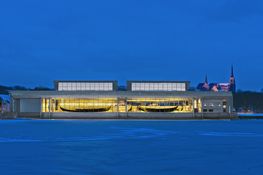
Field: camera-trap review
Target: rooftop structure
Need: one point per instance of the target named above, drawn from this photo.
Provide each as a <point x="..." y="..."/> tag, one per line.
<point x="86" y="85"/>
<point x="168" y="86"/>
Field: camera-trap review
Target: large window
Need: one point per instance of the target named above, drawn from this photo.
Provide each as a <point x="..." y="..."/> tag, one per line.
<point x="85" y="86"/>
<point x="158" y="86"/>
<point x="117" y="105"/>
<point x="79" y="105"/>
<point x="159" y="105"/>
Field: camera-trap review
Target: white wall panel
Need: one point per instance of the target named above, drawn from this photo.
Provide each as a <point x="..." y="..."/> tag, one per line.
<point x="30" y="105"/>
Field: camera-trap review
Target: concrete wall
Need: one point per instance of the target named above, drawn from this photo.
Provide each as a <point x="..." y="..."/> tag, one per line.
<point x="103" y="115"/>
<point x="30" y="105"/>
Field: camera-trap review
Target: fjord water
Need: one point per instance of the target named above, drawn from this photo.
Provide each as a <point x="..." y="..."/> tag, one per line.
<point x="128" y="147"/>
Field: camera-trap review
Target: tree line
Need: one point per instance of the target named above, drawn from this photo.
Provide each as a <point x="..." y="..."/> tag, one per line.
<point x="248" y="101"/>
<point x="5" y="89"/>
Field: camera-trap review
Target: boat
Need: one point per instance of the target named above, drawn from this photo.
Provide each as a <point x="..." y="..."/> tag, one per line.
<point x="130" y="108"/>
<point x="88" y="109"/>
<point x="157" y="108"/>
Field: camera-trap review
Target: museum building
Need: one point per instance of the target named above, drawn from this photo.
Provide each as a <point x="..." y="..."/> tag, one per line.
<point x="103" y="100"/>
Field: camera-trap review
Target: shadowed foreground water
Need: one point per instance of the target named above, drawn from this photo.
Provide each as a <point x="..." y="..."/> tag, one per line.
<point x="61" y="147"/>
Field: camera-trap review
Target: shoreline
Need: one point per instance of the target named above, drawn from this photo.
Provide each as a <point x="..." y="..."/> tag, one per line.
<point x="12" y="116"/>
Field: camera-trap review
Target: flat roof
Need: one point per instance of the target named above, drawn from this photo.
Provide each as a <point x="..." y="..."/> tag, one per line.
<point x="87" y="81"/>
<point x="121" y="94"/>
<point x="156" y="81"/>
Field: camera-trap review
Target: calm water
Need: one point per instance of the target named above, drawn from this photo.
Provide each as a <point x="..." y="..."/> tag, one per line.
<point x="109" y="147"/>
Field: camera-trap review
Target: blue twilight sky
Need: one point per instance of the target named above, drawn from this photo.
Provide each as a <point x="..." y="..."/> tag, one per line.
<point x="43" y="40"/>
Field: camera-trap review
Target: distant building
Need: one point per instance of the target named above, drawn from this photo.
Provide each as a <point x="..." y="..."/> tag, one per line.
<point x="204" y="86"/>
<point x="224" y="87"/>
<point x="215" y="87"/>
<point x="219" y="87"/>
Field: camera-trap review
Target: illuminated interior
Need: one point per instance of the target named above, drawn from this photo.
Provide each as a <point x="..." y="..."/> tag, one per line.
<point x="160" y="105"/>
<point x="170" y="105"/>
<point x="79" y="105"/>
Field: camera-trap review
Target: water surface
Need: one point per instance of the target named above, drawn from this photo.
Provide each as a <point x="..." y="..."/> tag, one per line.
<point x="41" y="147"/>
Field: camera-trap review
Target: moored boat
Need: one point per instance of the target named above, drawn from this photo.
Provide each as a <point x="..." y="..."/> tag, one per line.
<point x="157" y="108"/>
<point x="89" y="109"/>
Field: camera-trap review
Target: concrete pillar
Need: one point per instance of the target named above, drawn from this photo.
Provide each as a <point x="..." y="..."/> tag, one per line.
<point x="41" y="107"/>
<point x="49" y="107"/>
<point x="126" y="107"/>
<point x="118" y="107"/>
<point x="193" y="107"/>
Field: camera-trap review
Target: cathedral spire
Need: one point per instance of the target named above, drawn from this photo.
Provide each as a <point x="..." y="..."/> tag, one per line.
<point x="232" y="82"/>
<point x="205" y="86"/>
<point x="232" y="71"/>
<point x="206" y="79"/>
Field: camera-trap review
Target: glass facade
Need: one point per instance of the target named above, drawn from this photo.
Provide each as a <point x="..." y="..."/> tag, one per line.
<point x="160" y="105"/>
<point x="170" y="105"/>
<point x="84" y="86"/>
<point x="79" y="105"/>
<point x="152" y="86"/>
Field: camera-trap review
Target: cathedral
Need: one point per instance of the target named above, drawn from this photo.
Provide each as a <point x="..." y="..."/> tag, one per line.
<point x="216" y="87"/>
